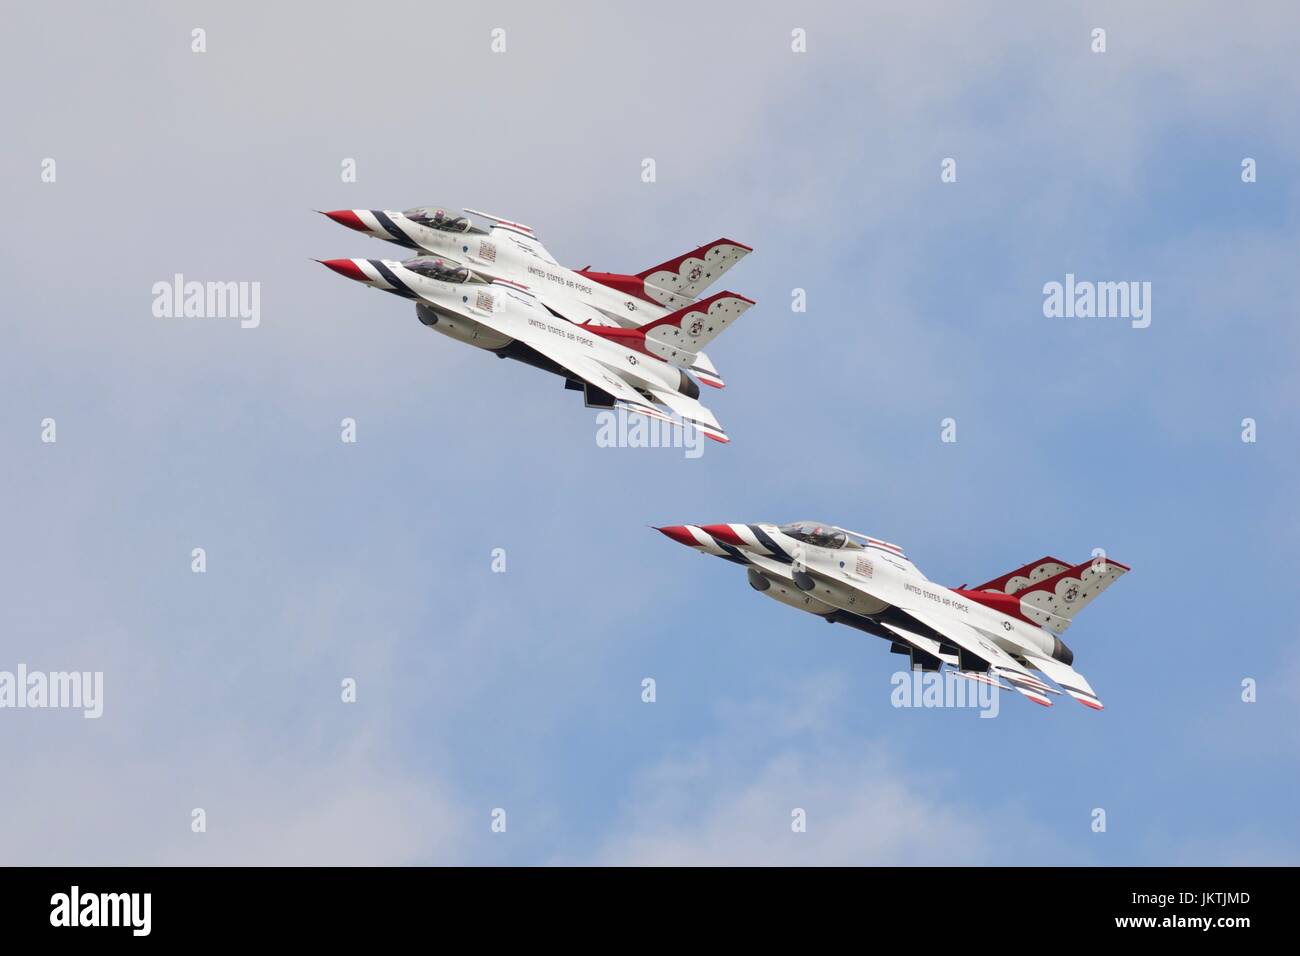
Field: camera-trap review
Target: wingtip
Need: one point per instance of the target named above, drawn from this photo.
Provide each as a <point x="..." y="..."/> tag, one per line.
<point x="728" y="294"/>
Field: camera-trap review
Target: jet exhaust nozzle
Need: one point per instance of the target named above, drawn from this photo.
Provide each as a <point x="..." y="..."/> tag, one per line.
<point x="1061" y="652"/>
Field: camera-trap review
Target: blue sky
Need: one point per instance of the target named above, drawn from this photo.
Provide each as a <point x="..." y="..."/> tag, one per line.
<point x="522" y="690"/>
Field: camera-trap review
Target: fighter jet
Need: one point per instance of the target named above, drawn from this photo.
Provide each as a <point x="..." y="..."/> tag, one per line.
<point x="642" y="370"/>
<point x="509" y="250"/>
<point x="998" y="631"/>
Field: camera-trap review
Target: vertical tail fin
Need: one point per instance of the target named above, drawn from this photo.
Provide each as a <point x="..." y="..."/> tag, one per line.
<point x="1015" y="581"/>
<point x="678" y="338"/>
<point x="681" y="279"/>
<point x="1052" y="603"/>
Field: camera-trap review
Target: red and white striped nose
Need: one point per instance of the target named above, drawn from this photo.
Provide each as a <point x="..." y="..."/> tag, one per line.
<point x="347" y="267"/>
<point x="727" y="534"/>
<point x="380" y="274"/>
<point x="679" y="533"/>
<point x="716" y="539"/>
<point x="350" y="218"/>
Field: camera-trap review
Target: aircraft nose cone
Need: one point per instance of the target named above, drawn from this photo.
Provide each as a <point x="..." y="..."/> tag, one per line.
<point x="680" y="534"/>
<point x="345" y="267"/>
<point x="346" y="217"/>
<point x="724" y="532"/>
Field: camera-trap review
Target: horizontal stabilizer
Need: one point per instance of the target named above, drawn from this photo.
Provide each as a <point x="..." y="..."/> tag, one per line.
<point x="688" y="408"/>
<point x="1068" y="679"/>
<point x="706" y="372"/>
<point x="641" y="408"/>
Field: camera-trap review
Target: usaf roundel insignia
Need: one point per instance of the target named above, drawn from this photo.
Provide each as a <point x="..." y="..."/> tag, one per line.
<point x="1006" y="625"/>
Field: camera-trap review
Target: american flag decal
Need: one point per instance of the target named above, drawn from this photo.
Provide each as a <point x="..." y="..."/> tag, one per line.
<point x="485" y="302"/>
<point x="864" y="567"/>
<point x="487" y="251"/>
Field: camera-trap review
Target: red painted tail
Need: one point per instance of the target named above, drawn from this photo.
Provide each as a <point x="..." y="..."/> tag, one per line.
<point x="1052" y="598"/>
<point x="689" y="274"/>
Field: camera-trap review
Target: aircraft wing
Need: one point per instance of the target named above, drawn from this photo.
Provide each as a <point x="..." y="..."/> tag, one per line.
<point x="932" y="647"/>
<point x="589" y="370"/>
<point x="927" y="644"/>
<point x="592" y="371"/>
<point x="975" y="642"/>
<point x="576" y="312"/>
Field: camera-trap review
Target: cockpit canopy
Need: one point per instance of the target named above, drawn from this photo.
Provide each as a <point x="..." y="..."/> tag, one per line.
<point x="432" y="267"/>
<point x="444" y="220"/>
<point x="818" y="535"/>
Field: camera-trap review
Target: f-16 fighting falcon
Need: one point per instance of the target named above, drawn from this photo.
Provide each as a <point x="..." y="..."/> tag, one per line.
<point x="639" y="369"/>
<point x="510" y="251"/>
<point x="1000" y="630"/>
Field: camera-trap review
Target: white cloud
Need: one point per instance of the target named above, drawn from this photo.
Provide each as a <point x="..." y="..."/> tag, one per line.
<point x="861" y="810"/>
<point x="346" y="805"/>
<point x="730" y="800"/>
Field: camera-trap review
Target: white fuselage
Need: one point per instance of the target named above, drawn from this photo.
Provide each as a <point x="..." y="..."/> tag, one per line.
<point x="877" y="573"/>
<point x="493" y="316"/>
<point x="507" y="254"/>
<point x="866" y="579"/>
